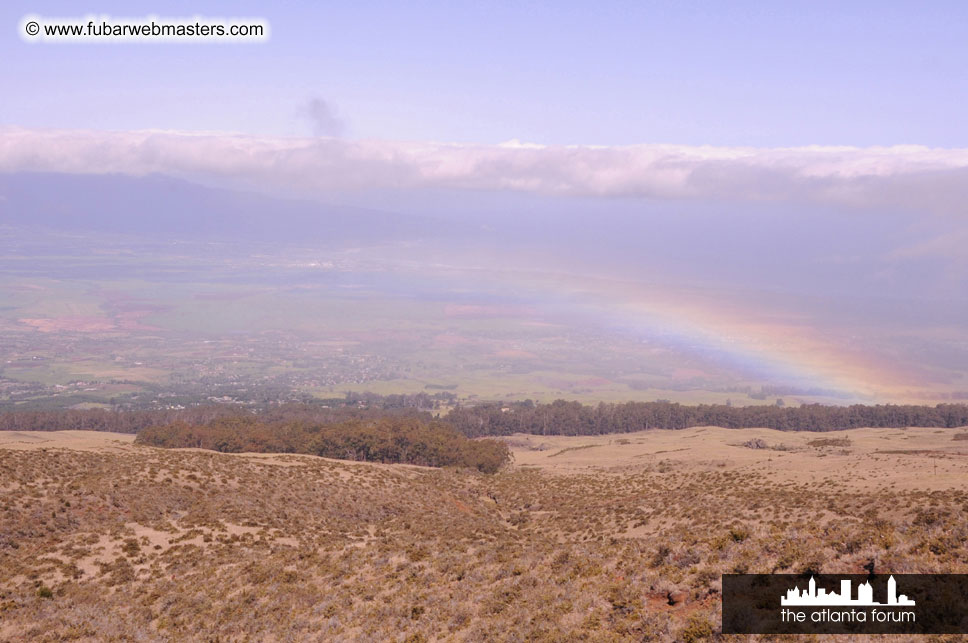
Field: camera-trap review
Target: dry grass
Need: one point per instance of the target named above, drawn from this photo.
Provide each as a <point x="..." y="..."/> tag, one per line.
<point x="104" y="540"/>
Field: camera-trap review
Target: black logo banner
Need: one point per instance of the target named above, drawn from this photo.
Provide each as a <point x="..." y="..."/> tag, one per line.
<point x="845" y="604"/>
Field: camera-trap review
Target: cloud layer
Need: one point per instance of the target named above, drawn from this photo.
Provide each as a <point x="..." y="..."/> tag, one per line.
<point x="909" y="177"/>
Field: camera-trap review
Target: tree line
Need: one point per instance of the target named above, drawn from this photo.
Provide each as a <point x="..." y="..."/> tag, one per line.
<point x="402" y="438"/>
<point x="494" y="418"/>
<point x="572" y="418"/>
<point x="133" y="421"/>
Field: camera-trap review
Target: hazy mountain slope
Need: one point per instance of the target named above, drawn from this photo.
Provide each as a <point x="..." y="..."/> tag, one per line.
<point x="163" y="207"/>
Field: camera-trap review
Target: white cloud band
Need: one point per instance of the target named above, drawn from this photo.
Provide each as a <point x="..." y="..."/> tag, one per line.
<point x="911" y="177"/>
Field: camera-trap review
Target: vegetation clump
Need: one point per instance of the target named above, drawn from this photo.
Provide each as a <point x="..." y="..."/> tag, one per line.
<point x="390" y="439"/>
<point x="829" y="442"/>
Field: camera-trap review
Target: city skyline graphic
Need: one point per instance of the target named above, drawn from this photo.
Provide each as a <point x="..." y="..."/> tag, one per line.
<point x="814" y="596"/>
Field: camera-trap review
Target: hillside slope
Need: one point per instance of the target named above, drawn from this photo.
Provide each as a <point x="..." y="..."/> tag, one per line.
<point x="103" y="539"/>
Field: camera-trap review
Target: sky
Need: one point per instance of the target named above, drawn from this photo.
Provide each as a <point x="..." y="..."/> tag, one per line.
<point x="758" y="74"/>
<point x="813" y="152"/>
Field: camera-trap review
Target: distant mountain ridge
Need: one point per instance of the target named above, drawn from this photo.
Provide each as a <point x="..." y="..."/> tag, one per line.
<point x="163" y="207"/>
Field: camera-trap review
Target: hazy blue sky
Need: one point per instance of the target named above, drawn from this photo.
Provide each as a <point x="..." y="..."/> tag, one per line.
<point x="732" y="73"/>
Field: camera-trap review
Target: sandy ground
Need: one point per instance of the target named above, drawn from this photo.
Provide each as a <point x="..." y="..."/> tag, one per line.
<point x="900" y="459"/>
<point x="74" y="440"/>
<point x="913" y="458"/>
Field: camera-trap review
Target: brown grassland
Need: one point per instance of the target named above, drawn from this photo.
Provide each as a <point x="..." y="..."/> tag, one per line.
<point x="604" y="538"/>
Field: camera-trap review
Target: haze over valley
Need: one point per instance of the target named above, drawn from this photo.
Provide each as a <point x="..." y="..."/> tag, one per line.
<point x="602" y="300"/>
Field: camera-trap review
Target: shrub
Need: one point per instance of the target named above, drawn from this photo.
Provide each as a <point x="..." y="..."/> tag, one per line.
<point x="698" y="628"/>
<point x="391" y="439"/>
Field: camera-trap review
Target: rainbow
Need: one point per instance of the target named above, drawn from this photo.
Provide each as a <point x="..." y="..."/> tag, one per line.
<point x="766" y="345"/>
